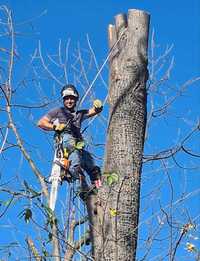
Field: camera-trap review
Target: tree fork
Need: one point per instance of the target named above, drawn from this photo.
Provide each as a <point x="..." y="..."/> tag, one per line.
<point x="115" y="229"/>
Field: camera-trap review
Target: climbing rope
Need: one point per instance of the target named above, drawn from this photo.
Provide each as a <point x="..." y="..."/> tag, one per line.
<point x="102" y="66"/>
<point x="95" y="78"/>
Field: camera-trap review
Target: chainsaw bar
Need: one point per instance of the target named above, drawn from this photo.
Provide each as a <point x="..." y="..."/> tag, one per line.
<point x="55" y="179"/>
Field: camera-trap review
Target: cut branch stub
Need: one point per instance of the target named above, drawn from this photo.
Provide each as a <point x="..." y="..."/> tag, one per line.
<point x="138" y="26"/>
<point x="112" y="36"/>
<point x="120" y="23"/>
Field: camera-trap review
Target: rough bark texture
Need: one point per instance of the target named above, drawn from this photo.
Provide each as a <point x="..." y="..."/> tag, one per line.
<point x="115" y="236"/>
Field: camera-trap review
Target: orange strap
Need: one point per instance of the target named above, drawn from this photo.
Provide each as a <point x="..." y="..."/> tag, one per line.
<point x="65" y="163"/>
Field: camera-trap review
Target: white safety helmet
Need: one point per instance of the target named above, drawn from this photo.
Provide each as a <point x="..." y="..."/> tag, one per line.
<point x="69" y="90"/>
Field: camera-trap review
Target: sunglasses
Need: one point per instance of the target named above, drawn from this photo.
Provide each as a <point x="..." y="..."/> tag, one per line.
<point x="70" y="97"/>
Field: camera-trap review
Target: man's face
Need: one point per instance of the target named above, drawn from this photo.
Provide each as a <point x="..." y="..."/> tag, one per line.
<point x="69" y="102"/>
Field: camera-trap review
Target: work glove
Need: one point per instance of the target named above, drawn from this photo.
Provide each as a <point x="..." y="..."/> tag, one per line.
<point x="59" y="127"/>
<point x="98" y="106"/>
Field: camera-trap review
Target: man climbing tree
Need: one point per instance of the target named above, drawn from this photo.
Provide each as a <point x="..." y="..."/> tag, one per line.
<point x="66" y="122"/>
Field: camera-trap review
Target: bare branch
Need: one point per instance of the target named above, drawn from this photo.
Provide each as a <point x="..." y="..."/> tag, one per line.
<point x="33" y="249"/>
<point x="50" y="73"/>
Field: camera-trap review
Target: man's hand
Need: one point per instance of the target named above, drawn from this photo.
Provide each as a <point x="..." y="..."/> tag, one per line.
<point x="98" y="106"/>
<point x="59" y="127"/>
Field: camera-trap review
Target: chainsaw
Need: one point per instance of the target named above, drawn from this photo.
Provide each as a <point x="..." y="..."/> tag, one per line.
<point x="59" y="170"/>
<point x="55" y="177"/>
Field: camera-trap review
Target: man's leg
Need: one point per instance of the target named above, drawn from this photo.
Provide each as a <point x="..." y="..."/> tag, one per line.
<point x="75" y="165"/>
<point x="94" y="172"/>
<point x="72" y="155"/>
<point x="78" y="175"/>
<point x="75" y="169"/>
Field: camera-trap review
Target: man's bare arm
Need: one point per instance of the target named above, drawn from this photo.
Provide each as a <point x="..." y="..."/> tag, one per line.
<point x="45" y="124"/>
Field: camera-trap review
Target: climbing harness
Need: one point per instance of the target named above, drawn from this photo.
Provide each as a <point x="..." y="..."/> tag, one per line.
<point x="60" y="170"/>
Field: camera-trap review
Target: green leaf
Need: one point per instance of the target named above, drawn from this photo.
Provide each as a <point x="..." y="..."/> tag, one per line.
<point x="26" y="214"/>
<point x="113" y="212"/>
<point x="80" y="145"/>
<point x="115" y="177"/>
<point x="7" y="202"/>
<point x="111" y="178"/>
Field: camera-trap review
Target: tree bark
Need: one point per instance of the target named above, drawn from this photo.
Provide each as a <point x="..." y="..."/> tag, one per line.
<point x="115" y="229"/>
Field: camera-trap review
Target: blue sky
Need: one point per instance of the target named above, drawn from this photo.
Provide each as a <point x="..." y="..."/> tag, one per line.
<point x="174" y="22"/>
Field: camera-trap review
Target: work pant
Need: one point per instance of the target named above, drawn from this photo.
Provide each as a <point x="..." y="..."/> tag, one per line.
<point x="79" y="158"/>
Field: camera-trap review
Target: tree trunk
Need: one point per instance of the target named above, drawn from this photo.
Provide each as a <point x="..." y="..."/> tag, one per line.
<point x="115" y="228"/>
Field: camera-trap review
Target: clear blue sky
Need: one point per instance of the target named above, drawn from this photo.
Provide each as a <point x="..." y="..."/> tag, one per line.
<point x="175" y="22"/>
